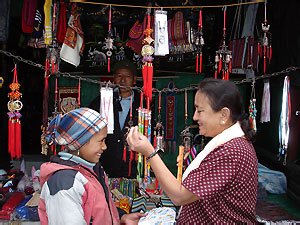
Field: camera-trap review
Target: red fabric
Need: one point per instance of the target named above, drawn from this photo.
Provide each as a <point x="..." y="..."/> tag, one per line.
<point x="13" y="201"/>
<point x="62" y="24"/>
<point x="28" y="15"/>
<point x="226" y="183"/>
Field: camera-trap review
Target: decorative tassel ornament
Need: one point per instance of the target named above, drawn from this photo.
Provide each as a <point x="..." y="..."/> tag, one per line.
<point x="14" y="123"/>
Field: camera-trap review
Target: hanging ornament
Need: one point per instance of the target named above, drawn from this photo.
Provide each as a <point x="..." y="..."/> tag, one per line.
<point x="223" y="56"/>
<point x="285" y="117"/>
<point x="14" y="123"/>
<point x="1" y="81"/>
<point x="252" y="107"/>
<point x="159" y="143"/>
<point x="141" y="130"/>
<point x="265" y="105"/>
<point x="186" y="142"/>
<point x="265" y="38"/>
<point x="126" y="146"/>
<point x="199" y="42"/>
<point x="109" y="42"/>
<point x="147" y="52"/>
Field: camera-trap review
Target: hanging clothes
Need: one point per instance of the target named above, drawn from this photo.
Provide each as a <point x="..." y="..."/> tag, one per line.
<point x="28" y="15"/>
<point x="73" y="45"/>
<point x="4" y="19"/>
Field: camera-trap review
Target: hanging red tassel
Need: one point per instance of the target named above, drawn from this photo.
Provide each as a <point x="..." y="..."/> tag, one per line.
<point x="197" y="63"/>
<point x="150" y="77"/>
<point x="14" y="125"/>
<point x="264" y="59"/>
<point x="11" y="137"/>
<point x="108" y="64"/>
<point x="200" y="63"/>
<point x="124" y="153"/>
<point x="270" y="54"/>
<point x="18" y="137"/>
<point x="216" y="75"/>
<point x="220" y="65"/>
<point x="130" y="160"/>
<point x="145" y="75"/>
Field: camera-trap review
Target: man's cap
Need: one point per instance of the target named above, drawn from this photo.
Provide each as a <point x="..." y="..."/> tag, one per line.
<point x="125" y="64"/>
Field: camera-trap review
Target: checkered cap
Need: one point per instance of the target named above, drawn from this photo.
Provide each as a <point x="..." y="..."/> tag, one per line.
<point x="74" y="128"/>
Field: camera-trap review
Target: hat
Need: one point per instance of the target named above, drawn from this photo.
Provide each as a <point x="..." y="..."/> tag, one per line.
<point x="125" y="64"/>
<point x="74" y="128"/>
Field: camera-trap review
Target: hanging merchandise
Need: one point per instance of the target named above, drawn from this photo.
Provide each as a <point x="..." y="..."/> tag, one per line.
<point x="265" y="39"/>
<point x="147" y="52"/>
<point x="147" y="133"/>
<point x="48" y="27"/>
<point x="161" y="33"/>
<point x="178" y="39"/>
<point x="28" y="14"/>
<point x="126" y="146"/>
<point x="171" y="118"/>
<point x="223" y="56"/>
<point x="285" y="117"/>
<point x="136" y="34"/>
<point x="46" y="93"/>
<point x="141" y="130"/>
<point x="199" y="42"/>
<point x="159" y="143"/>
<point x="265" y="106"/>
<point x="109" y="42"/>
<point x="252" y="107"/>
<point x="186" y="142"/>
<point x="1" y="81"/>
<point x="106" y="107"/>
<point x="73" y="44"/>
<point x="61" y="27"/>
<point x="14" y="123"/>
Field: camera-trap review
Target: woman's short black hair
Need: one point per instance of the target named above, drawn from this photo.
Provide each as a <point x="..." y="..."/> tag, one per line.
<point x="223" y="93"/>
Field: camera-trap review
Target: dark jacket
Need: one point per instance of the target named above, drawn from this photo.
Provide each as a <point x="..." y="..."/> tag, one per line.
<point x="112" y="158"/>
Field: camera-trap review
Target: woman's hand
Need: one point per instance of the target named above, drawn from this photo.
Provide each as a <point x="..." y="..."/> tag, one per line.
<point x="138" y="142"/>
<point x="132" y="218"/>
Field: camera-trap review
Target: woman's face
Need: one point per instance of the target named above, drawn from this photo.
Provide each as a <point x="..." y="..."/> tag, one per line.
<point x="92" y="150"/>
<point x="209" y="121"/>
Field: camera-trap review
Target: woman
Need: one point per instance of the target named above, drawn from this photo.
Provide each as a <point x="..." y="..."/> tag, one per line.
<point x="74" y="186"/>
<point x="220" y="185"/>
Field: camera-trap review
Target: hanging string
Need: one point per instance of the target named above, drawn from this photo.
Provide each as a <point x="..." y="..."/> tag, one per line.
<point x="224" y="28"/>
<point x="168" y="7"/>
<point x="79" y="86"/>
<point x="155" y="90"/>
